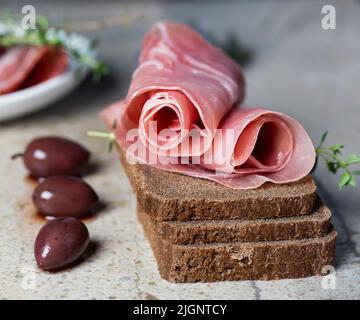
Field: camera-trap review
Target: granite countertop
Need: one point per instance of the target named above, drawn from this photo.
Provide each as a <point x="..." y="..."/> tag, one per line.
<point x="297" y="67"/>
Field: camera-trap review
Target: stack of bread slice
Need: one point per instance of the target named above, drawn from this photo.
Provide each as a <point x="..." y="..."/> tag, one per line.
<point x="202" y="231"/>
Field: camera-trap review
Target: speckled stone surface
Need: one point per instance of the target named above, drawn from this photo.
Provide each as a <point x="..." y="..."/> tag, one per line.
<point x="297" y="68"/>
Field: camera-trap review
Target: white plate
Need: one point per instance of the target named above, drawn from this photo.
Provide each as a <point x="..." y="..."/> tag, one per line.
<point x="28" y="100"/>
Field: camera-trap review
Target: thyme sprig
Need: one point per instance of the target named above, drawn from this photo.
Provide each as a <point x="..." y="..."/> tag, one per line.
<point x="335" y="163"/>
<point x="80" y="49"/>
<point x="110" y="136"/>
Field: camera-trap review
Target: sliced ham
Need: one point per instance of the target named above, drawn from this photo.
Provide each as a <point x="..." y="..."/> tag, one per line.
<point x="185" y="85"/>
<point x="19" y="63"/>
<point x="263" y="146"/>
<point x="15" y="64"/>
<point x="182" y="84"/>
<point x="53" y="63"/>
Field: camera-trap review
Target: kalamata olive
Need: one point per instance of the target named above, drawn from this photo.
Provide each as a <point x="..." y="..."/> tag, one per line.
<point x="64" y="196"/>
<point x="50" y="156"/>
<point x="60" y="242"/>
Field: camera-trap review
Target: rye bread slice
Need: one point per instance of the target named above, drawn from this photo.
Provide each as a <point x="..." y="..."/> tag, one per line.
<point x="168" y="196"/>
<point x="316" y="224"/>
<point x="267" y="260"/>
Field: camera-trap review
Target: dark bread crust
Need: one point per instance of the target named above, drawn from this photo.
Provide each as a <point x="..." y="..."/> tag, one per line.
<point x="316" y="224"/>
<point x="168" y="196"/>
<point x="269" y="260"/>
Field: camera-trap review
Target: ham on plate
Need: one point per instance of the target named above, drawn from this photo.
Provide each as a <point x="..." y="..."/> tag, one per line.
<point x="182" y="84"/>
<point x="25" y="66"/>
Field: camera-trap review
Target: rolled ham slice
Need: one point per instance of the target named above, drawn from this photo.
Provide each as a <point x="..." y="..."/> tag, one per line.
<point x="183" y="84"/>
<point x="261" y="146"/>
<point x="24" y="66"/>
<point x="251" y="147"/>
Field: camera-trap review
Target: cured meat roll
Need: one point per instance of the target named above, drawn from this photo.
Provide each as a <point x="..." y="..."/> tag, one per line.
<point x="253" y="146"/>
<point x="24" y="66"/>
<point x="183" y="86"/>
<point x="192" y="92"/>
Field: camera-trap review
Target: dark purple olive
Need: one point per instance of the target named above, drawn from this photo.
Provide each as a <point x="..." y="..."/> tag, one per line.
<point x="53" y="156"/>
<point x="64" y="196"/>
<point x="60" y="242"/>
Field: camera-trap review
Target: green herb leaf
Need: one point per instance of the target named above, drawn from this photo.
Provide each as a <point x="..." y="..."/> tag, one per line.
<point x="42" y="22"/>
<point x="344" y="180"/>
<point x="336" y="148"/>
<point x="334" y="164"/>
<point x="323" y="138"/>
<point x="353" y="158"/>
<point x="352" y="182"/>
